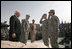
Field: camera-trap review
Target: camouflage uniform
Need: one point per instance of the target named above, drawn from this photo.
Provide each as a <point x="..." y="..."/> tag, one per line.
<point x="52" y="27"/>
<point x="44" y="31"/>
<point x="4" y="31"/>
<point x="25" y="31"/>
<point x="3" y="34"/>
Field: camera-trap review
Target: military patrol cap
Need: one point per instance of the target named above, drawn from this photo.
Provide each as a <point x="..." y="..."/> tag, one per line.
<point x="52" y="11"/>
<point x="28" y="15"/>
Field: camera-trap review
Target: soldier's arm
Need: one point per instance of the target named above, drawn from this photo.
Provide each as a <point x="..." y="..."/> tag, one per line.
<point x="41" y="21"/>
<point x="23" y="25"/>
<point x="57" y="23"/>
<point x="26" y="28"/>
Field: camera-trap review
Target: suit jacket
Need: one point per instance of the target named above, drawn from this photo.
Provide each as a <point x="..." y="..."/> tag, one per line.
<point x="15" y="26"/>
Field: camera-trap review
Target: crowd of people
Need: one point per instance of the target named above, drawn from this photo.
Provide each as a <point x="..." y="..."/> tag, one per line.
<point x="65" y="32"/>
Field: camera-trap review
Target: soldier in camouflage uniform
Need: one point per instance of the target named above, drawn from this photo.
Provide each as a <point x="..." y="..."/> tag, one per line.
<point x="25" y="30"/>
<point x="50" y="29"/>
<point x="43" y="21"/>
<point x="4" y="31"/>
<point x="53" y="26"/>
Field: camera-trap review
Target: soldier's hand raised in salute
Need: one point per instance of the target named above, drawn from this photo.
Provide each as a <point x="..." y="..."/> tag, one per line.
<point x="42" y="17"/>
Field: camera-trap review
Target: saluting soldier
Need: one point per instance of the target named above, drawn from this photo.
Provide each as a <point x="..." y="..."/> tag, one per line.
<point x="43" y="21"/>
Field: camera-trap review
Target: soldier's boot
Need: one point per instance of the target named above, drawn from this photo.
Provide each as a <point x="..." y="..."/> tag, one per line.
<point x="48" y="46"/>
<point x="25" y="43"/>
<point x="54" y="43"/>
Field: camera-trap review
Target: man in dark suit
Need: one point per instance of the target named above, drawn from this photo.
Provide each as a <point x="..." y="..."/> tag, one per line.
<point x="15" y="27"/>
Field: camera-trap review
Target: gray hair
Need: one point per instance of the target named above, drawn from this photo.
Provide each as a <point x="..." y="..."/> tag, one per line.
<point x="16" y="12"/>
